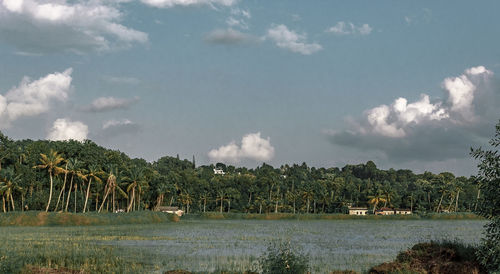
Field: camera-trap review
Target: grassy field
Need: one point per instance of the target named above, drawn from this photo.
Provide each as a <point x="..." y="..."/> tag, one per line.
<point x="207" y="245"/>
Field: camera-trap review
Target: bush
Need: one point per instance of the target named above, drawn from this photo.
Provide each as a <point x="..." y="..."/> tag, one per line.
<point x="280" y="259"/>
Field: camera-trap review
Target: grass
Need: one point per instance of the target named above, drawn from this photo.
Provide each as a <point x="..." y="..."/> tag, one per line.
<point x="291" y="216"/>
<point x="220" y="246"/>
<point x="38" y="218"/>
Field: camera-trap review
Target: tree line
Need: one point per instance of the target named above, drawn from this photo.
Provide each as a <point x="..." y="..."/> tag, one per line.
<point x="72" y="176"/>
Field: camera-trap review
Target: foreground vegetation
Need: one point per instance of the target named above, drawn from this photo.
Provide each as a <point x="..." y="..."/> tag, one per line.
<point x="208" y="246"/>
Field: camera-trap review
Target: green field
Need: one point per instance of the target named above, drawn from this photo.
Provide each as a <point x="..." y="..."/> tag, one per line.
<point x="210" y="245"/>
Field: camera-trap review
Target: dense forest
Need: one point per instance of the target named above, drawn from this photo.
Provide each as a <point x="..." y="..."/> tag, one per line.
<point x="82" y="176"/>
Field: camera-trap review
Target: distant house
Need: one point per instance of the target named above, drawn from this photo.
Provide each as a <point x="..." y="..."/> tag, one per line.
<point x="358" y="211"/>
<point x="402" y="211"/>
<point x="170" y="209"/>
<point x="385" y="211"/>
<point x="219" y="171"/>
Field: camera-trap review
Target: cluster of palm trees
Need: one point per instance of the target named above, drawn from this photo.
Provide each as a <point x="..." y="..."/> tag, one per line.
<point x="75" y="177"/>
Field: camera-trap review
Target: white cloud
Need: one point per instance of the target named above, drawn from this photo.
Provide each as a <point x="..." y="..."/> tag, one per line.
<point x="228" y="37"/>
<point x="253" y="147"/>
<point x="32" y="98"/>
<point x="110" y="103"/>
<point x="40" y="26"/>
<point x="345" y="28"/>
<point x="291" y="40"/>
<point x="461" y="89"/>
<point x="116" y="123"/>
<point x="425" y="129"/>
<point x="65" y="129"/>
<point x="173" y="3"/>
<point x="393" y="120"/>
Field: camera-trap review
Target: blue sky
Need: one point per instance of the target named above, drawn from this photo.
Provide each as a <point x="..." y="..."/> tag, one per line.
<point x="246" y="82"/>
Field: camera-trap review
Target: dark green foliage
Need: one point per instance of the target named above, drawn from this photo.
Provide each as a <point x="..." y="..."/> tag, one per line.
<point x="489" y="206"/>
<point x="281" y="258"/>
<point x="170" y="181"/>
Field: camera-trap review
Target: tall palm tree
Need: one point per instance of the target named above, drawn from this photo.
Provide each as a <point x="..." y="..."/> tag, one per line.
<point x="93" y="173"/>
<point x="51" y="162"/>
<point x="375" y="200"/>
<point x="9" y="182"/>
<point x="112" y="184"/>
<point x="134" y="180"/>
<point x="63" y="188"/>
<point x="73" y="169"/>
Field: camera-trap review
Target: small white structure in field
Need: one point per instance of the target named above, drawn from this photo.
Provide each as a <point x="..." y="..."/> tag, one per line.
<point x="403" y="211"/>
<point x="358" y="211"/>
<point x="171" y="209"/>
<point x="385" y="211"/>
<point x="219" y="171"/>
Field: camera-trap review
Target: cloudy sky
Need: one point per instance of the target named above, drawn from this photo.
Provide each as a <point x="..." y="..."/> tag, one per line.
<point x="408" y="84"/>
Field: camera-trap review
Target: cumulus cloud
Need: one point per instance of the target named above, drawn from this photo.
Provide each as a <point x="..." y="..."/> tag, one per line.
<point x="102" y="104"/>
<point x="41" y="26"/>
<point x="291" y="40"/>
<point x="425" y="129"/>
<point x="228" y="37"/>
<point x="252" y="147"/>
<point x="238" y="18"/>
<point x="173" y="3"/>
<point x="345" y="28"/>
<point x="34" y="97"/>
<point x="65" y="129"/>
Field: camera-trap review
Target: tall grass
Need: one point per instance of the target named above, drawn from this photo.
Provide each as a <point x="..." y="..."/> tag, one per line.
<point x="38" y="218"/>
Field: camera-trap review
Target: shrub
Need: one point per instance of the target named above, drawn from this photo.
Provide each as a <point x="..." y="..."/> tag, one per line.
<point x="281" y="259"/>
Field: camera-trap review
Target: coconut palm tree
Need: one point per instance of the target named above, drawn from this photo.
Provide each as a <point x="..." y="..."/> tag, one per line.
<point x="112" y="185"/>
<point x="73" y="168"/>
<point x="63" y="188"/>
<point x="375" y="200"/>
<point x="9" y="182"/>
<point x="93" y="173"/>
<point x="51" y="162"/>
<point x="134" y="180"/>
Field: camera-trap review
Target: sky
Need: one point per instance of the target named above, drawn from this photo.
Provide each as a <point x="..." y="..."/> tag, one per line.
<point x="407" y="84"/>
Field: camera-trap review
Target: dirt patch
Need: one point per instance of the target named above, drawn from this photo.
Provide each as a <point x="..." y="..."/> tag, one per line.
<point x="179" y="271"/>
<point x="432" y="258"/>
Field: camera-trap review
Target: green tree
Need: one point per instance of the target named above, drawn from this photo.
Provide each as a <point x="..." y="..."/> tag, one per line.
<point x="489" y="207"/>
<point x="51" y="162"/>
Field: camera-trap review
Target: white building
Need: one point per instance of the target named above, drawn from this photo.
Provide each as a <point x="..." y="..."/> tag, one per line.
<point x="219" y="171"/>
<point x="358" y="211"/>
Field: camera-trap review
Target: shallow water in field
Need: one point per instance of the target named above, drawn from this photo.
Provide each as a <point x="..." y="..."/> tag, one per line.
<point x="207" y="245"/>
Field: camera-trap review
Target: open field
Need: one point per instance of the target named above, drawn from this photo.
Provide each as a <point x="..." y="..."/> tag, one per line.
<point x="210" y="245"/>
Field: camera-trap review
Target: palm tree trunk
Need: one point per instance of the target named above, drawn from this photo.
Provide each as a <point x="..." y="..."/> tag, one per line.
<point x="204" y="205"/>
<point x="12" y="201"/>
<point x="69" y="193"/>
<point x="62" y="189"/>
<point x="456" y="204"/>
<point x="131" y="200"/>
<point x="50" y="192"/>
<point x="3" y="203"/>
<point x="76" y="192"/>
<point x="104" y="200"/>
<point x="113" y="199"/>
<point x="87" y="196"/>
<point x="308" y="204"/>
<point x="440" y="200"/>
